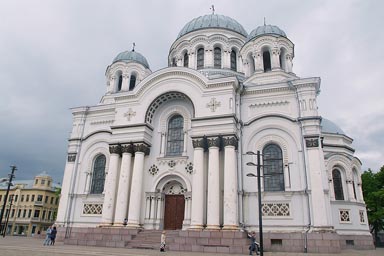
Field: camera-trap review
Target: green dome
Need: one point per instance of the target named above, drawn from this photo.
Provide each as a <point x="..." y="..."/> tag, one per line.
<point x="131" y="56"/>
<point x="266" y="30"/>
<point x="213" y="21"/>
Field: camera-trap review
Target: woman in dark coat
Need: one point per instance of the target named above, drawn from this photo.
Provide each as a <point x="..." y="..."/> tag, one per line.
<point x="53" y="235"/>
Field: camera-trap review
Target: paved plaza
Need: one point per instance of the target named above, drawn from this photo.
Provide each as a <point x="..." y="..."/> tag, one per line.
<point x="26" y="246"/>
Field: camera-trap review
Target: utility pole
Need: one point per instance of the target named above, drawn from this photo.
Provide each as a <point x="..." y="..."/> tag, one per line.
<point x="11" y="176"/>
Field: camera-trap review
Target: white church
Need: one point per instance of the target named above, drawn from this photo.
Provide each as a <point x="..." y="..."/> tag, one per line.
<point x="167" y="150"/>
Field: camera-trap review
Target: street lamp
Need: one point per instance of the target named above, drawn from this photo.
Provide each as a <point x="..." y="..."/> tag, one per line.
<point x="258" y="176"/>
<point x="11" y="176"/>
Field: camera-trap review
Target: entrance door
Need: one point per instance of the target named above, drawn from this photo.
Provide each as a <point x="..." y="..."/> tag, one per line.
<point x="174" y="212"/>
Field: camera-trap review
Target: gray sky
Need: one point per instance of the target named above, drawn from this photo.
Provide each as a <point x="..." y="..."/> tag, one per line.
<point x="53" y="56"/>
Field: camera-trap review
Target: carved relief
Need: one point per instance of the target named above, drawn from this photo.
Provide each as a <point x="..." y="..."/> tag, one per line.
<point x="198" y="143"/>
<point x="230" y="141"/>
<point x="213" y="142"/>
<point x="127" y="148"/>
<point x="142" y="148"/>
<point x="213" y="104"/>
<point x="312" y="143"/>
<point x="115" y="149"/>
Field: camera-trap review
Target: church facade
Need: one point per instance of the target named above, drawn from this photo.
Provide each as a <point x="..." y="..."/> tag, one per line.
<point x="173" y="149"/>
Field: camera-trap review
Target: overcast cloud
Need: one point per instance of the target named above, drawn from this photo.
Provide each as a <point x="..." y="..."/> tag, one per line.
<point x="53" y="56"/>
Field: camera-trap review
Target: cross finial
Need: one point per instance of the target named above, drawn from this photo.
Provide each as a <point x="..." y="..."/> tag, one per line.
<point x="264" y="21"/>
<point x="213" y="9"/>
<point x="133" y="46"/>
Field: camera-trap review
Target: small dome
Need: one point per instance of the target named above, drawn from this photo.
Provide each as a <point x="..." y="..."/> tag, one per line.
<point x="131" y="56"/>
<point x="43" y="174"/>
<point x="213" y="21"/>
<point x="328" y="126"/>
<point x="266" y="30"/>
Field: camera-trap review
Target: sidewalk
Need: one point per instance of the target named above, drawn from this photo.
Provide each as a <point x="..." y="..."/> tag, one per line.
<point x="26" y="246"/>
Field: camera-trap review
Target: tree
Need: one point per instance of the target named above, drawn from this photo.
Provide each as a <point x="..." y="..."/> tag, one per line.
<point x="373" y="190"/>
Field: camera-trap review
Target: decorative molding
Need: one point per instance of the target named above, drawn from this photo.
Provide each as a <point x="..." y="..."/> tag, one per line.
<point x="127" y="148"/>
<point x="312" y="143"/>
<point x="115" y="149"/>
<point x="199" y="143"/>
<point x="153" y="170"/>
<point x="189" y="168"/>
<point x="344" y="215"/>
<point x="269" y="104"/>
<point x="71" y="157"/>
<point x="214" y="142"/>
<point x="276" y="209"/>
<point x="230" y="141"/>
<point x="102" y="122"/>
<point x="142" y="148"/>
<point x="174" y="160"/>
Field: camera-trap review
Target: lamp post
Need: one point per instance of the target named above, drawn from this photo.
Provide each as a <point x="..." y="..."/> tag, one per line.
<point x="258" y="176"/>
<point x="11" y="176"/>
<point x="7" y="217"/>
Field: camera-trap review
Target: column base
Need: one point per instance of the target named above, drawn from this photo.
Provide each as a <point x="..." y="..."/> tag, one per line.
<point x="103" y="225"/>
<point x="134" y="225"/>
<point x="118" y="224"/>
<point x="196" y="227"/>
<point x="213" y="227"/>
<point x="231" y="227"/>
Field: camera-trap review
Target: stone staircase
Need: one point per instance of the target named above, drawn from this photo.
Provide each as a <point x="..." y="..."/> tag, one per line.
<point x="150" y="239"/>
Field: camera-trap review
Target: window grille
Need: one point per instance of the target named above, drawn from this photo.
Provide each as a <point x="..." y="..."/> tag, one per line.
<point x="273" y="173"/>
<point x="98" y="177"/>
<point x="337" y="185"/>
<point x="175" y="140"/>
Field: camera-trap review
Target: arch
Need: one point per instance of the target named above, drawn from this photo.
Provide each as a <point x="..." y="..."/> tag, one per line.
<point x="273" y="168"/>
<point x="175" y="135"/>
<point x="200" y="58"/>
<point x="168" y="176"/>
<point x="337" y="184"/>
<point x="165" y="97"/>
<point x="98" y="174"/>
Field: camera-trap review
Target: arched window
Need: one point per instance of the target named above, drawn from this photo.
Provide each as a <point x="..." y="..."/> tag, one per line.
<point x="337" y="184"/>
<point x="120" y="83"/>
<point x="186" y="60"/>
<point x="273" y="168"/>
<point x="98" y="176"/>
<point x="175" y="138"/>
<point x="267" y="61"/>
<point x="233" y="61"/>
<point x="217" y="57"/>
<point x="132" y="82"/>
<point x="200" y="58"/>
<point x="173" y="64"/>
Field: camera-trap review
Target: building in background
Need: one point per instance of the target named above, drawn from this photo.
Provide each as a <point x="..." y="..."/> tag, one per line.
<point x="166" y="149"/>
<point x="32" y="205"/>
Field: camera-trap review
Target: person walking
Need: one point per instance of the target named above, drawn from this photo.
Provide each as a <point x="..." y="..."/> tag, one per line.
<point x="253" y="246"/>
<point x="47" y="240"/>
<point x="162" y="241"/>
<point x="53" y="235"/>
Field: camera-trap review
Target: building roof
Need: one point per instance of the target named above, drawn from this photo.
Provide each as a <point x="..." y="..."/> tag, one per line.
<point x="266" y="30"/>
<point x="131" y="56"/>
<point x="327" y="126"/>
<point x="213" y="21"/>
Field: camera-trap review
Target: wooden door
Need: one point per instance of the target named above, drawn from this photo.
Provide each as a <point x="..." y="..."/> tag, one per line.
<point x="174" y="212"/>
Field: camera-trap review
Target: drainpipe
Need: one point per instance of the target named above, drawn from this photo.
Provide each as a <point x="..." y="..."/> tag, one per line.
<point x="291" y="86"/>
<point x="240" y="157"/>
<point x="74" y="176"/>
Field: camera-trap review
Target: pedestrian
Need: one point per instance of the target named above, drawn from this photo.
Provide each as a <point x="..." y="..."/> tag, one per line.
<point x="47" y="240"/>
<point x="125" y="222"/>
<point x="253" y="246"/>
<point x="53" y="235"/>
<point x="162" y="241"/>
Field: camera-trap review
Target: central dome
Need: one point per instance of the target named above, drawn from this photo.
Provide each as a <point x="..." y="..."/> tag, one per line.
<point x="213" y="21"/>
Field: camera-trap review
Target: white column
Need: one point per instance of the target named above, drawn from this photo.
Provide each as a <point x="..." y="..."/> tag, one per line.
<point x="124" y="184"/>
<point x="331" y="189"/>
<point x="226" y="62"/>
<point x="87" y="182"/>
<point x="125" y="84"/>
<point x="111" y="84"/>
<point x="137" y="186"/>
<point x="208" y="57"/>
<point x="111" y="186"/>
<point x="147" y="205"/>
<point x="198" y="190"/>
<point x="288" y="63"/>
<point x="230" y="184"/>
<point x="287" y="178"/>
<point x="192" y="60"/>
<point x="185" y="143"/>
<point x="351" y="195"/>
<point x="259" y="63"/>
<point x="213" y="199"/>
<point x="64" y="199"/>
<point x="275" y="60"/>
<point x="153" y="208"/>
<point x="159" y="206"/>
<point x="162" y="149"/>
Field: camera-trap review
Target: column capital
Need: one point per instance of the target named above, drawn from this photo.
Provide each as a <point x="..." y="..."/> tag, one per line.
<point x="213" y="142"/>
<point x="230" y="141"/>
<point x="127" y="148"/>
<point x="198" y="143"/>
<point x="115" y="149"/>
<point x="71" y="157"/>
<point x="141" y="147"/>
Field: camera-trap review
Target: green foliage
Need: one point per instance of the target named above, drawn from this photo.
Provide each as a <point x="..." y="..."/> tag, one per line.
<point x="373" y="190"/>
